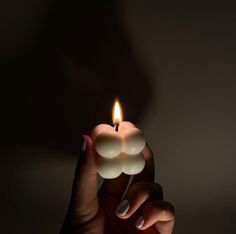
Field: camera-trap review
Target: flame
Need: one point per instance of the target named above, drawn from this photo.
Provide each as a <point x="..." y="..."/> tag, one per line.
<point x="117" y="114"/>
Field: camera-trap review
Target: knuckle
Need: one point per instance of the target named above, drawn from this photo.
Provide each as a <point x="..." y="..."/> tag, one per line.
<point x="165" y="205"/>
<point x="170" y="206"/>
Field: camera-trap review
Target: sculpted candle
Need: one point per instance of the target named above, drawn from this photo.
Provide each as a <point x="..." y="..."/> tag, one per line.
<point x="119" y="147"/>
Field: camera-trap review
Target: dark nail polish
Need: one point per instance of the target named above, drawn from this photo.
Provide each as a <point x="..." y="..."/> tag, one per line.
<point x="139" y="223"/>
<point x="123" y="208"/>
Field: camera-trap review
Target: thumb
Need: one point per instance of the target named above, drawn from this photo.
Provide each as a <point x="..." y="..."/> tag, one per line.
<point x="84" y="201"/>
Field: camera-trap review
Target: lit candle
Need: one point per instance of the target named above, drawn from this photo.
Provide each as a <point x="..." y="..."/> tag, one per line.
<point x="119" y="148"/>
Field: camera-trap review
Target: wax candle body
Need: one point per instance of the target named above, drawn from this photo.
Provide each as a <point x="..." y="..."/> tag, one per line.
<point x="108" y="142"/>
<point x="119" y="151"/>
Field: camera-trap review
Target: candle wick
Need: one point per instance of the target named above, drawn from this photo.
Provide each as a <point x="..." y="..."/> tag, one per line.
<point x="116" y="127"/>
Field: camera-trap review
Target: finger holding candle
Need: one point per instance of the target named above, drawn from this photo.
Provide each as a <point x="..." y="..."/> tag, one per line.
<point x="84" y="194"/>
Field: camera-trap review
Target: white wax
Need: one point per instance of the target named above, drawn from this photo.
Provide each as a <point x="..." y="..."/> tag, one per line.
<point x="119" y="151"/>
<point x="133" y="141"/>
<point x="132" y="164"/>
<point x="109" y="168"/>
<point x="124" y="125"/>
<point x="101" y="128"/>
<point x="108" y="142"/>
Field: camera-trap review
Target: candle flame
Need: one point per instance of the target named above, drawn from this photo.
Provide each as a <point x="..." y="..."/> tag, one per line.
<point x="117" y="114"/>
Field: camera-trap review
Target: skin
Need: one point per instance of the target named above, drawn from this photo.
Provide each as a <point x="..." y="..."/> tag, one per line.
<point x="94" y="212"/>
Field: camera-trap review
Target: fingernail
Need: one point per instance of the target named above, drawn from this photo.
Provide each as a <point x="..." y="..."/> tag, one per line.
<point x="82" y="145"/>
<point x="139" y="223"/>
<point x="123" y="208"/>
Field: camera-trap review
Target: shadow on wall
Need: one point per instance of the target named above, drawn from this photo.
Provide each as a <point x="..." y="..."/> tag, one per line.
<point x="65" y="84"/>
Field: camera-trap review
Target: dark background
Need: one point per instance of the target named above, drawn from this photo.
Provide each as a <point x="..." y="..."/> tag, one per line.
<point x="171" y="63"/>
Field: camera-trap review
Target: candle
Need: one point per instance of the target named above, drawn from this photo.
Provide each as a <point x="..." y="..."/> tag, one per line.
<point x="119" y="148"/>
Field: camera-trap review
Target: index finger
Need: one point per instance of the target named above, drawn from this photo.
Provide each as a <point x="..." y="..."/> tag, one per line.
<point x="148" y="173"/>
<point x="84" y="194"/>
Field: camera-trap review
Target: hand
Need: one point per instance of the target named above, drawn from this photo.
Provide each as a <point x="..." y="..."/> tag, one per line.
<point x="141" y="210"/>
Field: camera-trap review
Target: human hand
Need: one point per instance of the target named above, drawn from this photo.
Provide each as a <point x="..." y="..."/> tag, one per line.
<point x="141" y="210"/>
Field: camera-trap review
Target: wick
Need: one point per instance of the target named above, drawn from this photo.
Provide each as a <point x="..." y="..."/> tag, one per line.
<point x="116" y="127"/>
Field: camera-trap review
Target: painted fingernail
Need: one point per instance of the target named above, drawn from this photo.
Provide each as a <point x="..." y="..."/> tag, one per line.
<point x="139" y="223"/>
<point x="123" y="208"/>
<point x="82" y="145"/>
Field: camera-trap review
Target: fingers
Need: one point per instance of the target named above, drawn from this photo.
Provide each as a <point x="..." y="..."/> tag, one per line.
<point x="144" y="200"/>
<point x="136" y="196"/>
<point x="84" y="194"/>
<point x="148" y="172"/>
<point x="159" y="214"/>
